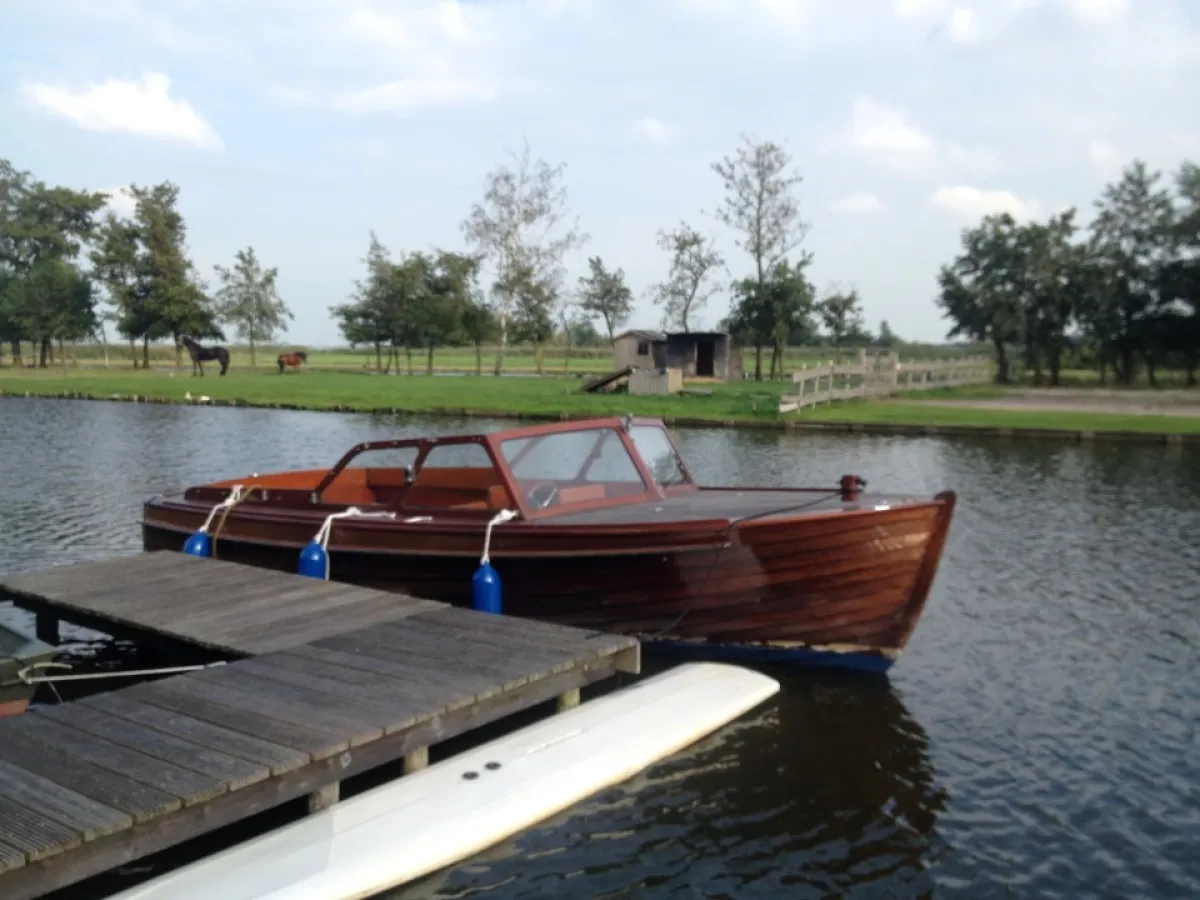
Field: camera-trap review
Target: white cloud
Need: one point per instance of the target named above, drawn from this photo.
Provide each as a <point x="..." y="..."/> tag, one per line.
<point x="410" y="95"/>
<point x="886" y="136"/>
<point x="963" y="27"/>
<point x="652" y="130"/>
<point x="1104" y="156"/>
<point x="879" y="129"/>
<point x="1099" y="12"/>
<point x="143" y="108"/>
<point x="120" y="201"/>
<point x="972" y="203"/>
<point x="859" y="201"/>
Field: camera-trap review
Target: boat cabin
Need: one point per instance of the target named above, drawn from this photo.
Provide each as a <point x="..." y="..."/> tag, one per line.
<point x="540" y="471"/>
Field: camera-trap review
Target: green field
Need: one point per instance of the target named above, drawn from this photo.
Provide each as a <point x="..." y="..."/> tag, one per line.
<point x="746" y="402"/>
<point x="519" y="358"/>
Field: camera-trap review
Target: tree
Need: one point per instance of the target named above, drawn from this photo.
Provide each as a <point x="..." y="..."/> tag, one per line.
<point x="1180" y="279"/>
<point x="519" y="226"/>
<point x="887" y="338"/>
<point x="447" y="298"/>
<point x="1057" y="285"/>
<point x="981" y="291"/>
<point x="765" y="315"/>
<point x="43" y="294"/>
<point x="605" y="294"/>
<point x="1130" y="248"/>
<point x="693" y="260"/>
<point x="479" y="325"/>
<point x="249" y="300"/>
<point x="173" y="299"/>
<point x="760" y="203"/>
<point x="364" y="319"/>
<point x="841" y="315"/>
<point x="533" y="311"/>
<point x="569" y="319"/>
<point x="114" y="260"/>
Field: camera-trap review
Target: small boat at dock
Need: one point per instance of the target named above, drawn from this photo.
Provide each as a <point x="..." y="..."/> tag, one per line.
<point x="19" y="653"/>
<point x="608" y="530"/>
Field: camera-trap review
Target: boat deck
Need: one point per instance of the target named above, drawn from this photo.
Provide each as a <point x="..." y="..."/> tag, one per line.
<point x="348" y="679"/>
<point x="725" y="504"/>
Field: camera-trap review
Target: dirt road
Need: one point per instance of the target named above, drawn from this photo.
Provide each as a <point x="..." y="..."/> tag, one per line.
<point x="1134" y="403"/>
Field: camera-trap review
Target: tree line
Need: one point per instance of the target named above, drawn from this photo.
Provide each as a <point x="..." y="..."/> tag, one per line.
<point x="68" y="268"/>
<point x="1122" y="295"/>
<point x="521" y="230"/>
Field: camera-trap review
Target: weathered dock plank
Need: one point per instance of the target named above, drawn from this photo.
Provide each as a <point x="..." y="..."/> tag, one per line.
<point x="214" y="604"/>
<point x="332" y="680"/>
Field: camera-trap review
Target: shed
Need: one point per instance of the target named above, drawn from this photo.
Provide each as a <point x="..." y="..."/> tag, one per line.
<point x="705" y="354"/>
<point x="640" y="349"/>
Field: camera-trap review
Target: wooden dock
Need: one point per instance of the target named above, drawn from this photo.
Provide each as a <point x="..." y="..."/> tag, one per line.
<point x="332" y="680"/>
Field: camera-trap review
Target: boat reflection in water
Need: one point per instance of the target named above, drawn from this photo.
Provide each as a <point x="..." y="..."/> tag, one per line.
<point x="827" y="790"/>
<point x="611" y="533"/>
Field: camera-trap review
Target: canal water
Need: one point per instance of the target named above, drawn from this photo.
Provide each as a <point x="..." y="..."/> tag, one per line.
<point x="1038" y="739"/>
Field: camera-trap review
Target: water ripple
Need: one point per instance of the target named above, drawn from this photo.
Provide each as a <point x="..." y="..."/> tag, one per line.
<point x="1039" y="737"/>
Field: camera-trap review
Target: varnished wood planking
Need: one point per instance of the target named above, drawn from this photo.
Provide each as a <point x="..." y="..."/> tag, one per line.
<point x="802" y="558"/>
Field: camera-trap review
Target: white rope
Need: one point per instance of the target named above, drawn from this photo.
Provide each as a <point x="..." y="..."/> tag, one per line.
<point x="503" y="516"/>
<point x="235" y="494"/>
<point x="26" y="678"/>
<point x="322" y="536"/>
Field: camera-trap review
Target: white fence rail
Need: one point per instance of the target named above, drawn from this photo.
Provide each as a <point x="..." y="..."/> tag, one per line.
<point x="878" y="375"/>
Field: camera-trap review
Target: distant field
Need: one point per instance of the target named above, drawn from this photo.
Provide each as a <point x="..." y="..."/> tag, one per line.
<point x="556" y="397"/>
<point x="519" y="358"/>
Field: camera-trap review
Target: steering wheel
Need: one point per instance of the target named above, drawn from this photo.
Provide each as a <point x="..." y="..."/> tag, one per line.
<point x="529" y="494"/>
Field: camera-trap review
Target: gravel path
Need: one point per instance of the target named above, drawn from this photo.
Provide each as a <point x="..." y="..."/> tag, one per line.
<point x="1134" y="403"/>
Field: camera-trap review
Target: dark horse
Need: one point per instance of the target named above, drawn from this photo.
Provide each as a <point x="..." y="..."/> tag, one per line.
<point x="296" y="359"/>
<point x="201" y="354"/>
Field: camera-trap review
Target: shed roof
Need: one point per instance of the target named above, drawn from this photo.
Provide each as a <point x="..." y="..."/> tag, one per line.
<point x="642" y="335"/>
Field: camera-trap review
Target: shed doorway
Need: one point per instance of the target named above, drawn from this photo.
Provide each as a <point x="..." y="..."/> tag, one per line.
<point x="705" y="351"/>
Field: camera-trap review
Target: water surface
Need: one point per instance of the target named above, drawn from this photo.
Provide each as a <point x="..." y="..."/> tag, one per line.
<point x="1038" y="738"/>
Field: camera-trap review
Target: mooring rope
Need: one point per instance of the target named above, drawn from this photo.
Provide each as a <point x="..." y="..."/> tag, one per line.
<point x="26" y="678"/>
<point x="322" y="536"/>
<point x="236" y="497"/>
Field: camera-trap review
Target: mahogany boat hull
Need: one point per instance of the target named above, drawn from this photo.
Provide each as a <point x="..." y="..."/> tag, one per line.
<point x="844" y="587"/>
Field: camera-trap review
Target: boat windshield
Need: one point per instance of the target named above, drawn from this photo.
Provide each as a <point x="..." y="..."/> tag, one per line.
<point x="658" y="453"/>
<point x="567" y="467"/>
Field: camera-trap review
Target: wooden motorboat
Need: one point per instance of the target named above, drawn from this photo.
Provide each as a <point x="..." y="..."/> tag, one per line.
<point x="611" y="532"/>
<point x="19" y="652"/>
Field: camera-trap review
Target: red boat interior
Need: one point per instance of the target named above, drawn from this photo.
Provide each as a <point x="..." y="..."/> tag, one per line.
<point x="597" y="471"/>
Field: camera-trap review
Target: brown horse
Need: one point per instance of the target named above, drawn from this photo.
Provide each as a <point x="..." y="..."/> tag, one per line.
<point x="294" y="360"/>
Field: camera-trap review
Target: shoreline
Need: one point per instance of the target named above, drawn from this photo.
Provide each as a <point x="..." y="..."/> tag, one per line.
<point x="845" y="427"/>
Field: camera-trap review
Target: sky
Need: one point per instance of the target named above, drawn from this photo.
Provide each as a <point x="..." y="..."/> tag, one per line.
<point x="299" y="126"/>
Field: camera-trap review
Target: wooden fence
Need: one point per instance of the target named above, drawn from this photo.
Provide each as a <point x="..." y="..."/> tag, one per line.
<point x="878" y="375"/>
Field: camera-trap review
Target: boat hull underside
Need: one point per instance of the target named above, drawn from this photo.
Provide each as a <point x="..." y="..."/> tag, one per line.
<point x="846" y="590"/>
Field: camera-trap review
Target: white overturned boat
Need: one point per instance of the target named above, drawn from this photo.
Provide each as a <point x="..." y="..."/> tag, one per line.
<point x="418" y="824"/>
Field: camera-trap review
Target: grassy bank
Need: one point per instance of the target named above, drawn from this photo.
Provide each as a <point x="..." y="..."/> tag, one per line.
<point x="746" y="402"/>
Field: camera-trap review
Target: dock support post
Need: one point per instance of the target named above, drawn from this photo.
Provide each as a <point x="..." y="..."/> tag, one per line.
<point x="568" y="700"/>
<point x="324" y="798"/>
<point x="415" y="760"/>
<point x="47" y="628"/>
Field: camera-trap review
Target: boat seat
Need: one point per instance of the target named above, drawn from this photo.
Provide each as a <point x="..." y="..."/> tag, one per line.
<point x="386" y="484"/>
<point x="581" y="494"/>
